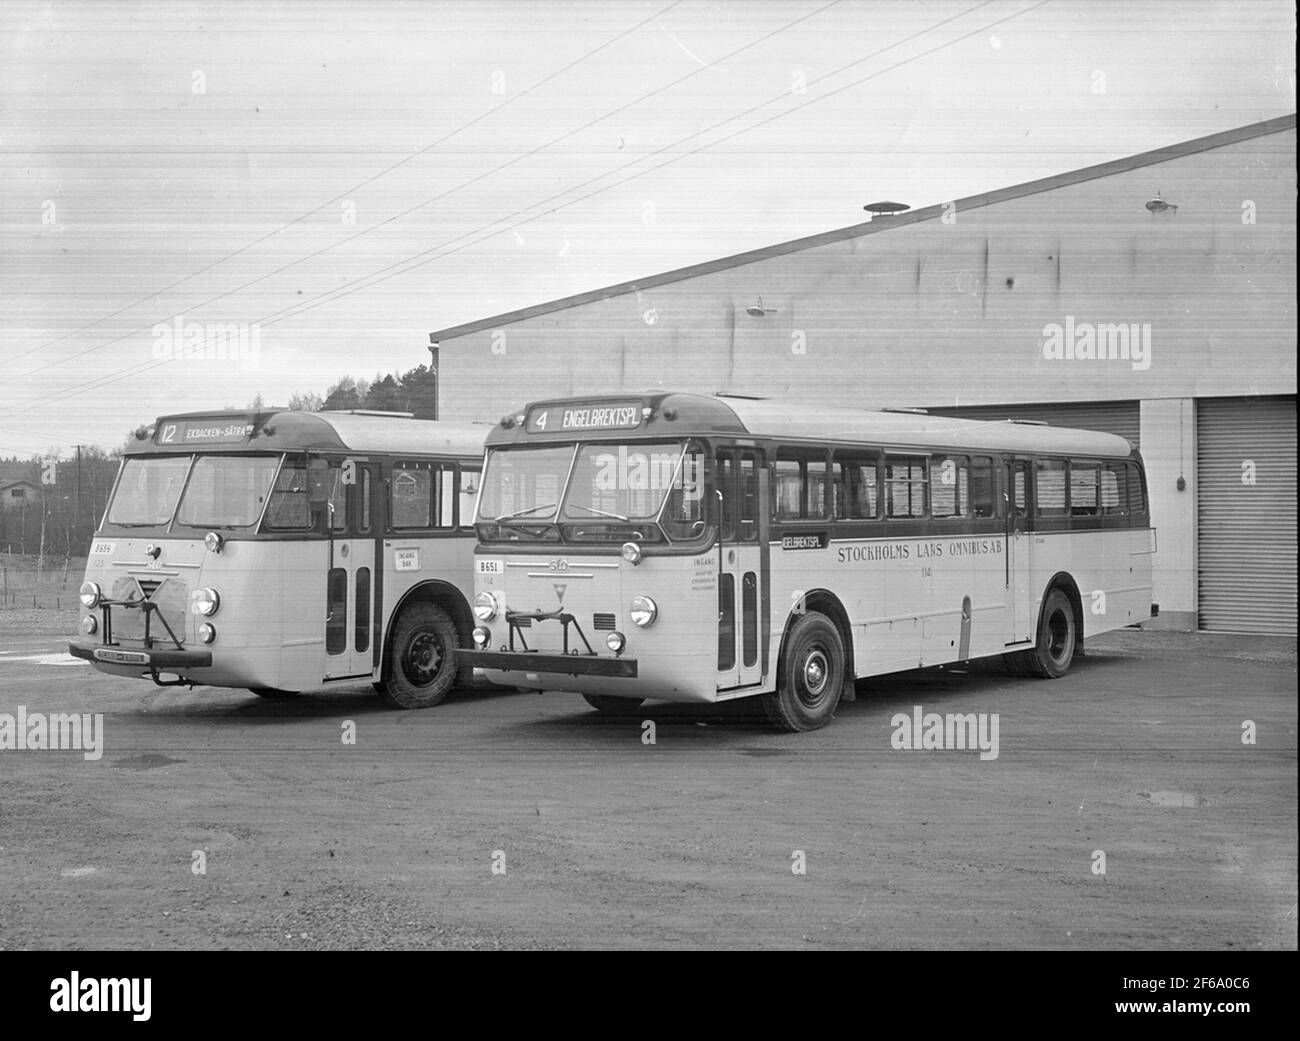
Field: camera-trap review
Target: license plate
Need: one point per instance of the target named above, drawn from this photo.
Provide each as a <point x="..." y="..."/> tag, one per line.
<point x="121" y="657"/>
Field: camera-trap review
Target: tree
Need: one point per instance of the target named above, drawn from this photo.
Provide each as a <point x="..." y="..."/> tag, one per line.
<point x="347" y="393"/>
<point x="385" y="395"/>
<point x="308" y="402"/>
<point x="420" y="390"/>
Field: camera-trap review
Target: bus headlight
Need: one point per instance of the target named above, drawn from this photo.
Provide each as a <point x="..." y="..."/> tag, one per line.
<point x="205" y="601"/>
<point x="207" y="632"/>
<point x="89" y="625"/>
<point x="485" y="607"/>
<point x="90" y="595"/>
<point x="616" y="642"/>
<point x="643" y="611"/>
<point x="481" y="636"/>
<point x="631" y="553"/>
<point x="213" y="541"/>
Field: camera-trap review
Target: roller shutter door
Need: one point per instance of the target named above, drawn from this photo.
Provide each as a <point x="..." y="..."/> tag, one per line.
<point x="1112" y="417"/>
<point x="1246" y="533"/>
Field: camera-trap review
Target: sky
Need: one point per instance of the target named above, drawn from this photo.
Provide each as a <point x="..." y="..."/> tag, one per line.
<point x="325" y="183"/>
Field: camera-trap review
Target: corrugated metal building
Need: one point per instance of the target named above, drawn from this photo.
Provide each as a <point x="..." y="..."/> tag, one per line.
<point x="1172" y="272"/>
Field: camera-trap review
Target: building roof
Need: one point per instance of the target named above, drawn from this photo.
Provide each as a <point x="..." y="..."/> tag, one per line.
<point x="881" y="224"/>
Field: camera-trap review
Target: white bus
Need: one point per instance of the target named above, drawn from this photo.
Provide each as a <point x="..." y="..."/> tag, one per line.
<point x="287" y="551"/>
<point x="694" y="548"/>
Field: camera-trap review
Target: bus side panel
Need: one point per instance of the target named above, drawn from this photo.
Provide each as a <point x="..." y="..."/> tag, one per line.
<point x="1114" y="583"/>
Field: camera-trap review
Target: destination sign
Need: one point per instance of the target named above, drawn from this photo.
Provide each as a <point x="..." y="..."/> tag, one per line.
<point x="808" y="540"/>
<point x="216" y="431"/>
<point x="555" y="419"/>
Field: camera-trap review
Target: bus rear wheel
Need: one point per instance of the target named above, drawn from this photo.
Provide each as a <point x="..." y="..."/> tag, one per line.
<point x="810" y="675"/>
<point x="1058" y="639"/>
<point x="273" y="693"/>
<point x="611" y="705"/>
<point x="421" y="658"/>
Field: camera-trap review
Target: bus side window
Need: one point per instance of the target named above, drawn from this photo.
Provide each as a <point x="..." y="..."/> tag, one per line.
<point x="854" y="489"/>
<point x="949" y="480"/>
<point x="1136" y="500"/>
<point x="1083" y="490"/>
<point x="410" y="505"/>
<point x="1049" y="488"/>
<point x="683" y="513"/>
<point x="467" y="494"/>
<point x="1019" y="498"/>
<point x="800" y="485"/>
<point x="288" y="506"/>
<point x="445" y="489"/>
<point x="1112" y="490"/>
<point x="981" y="487"/>
<point x="338" y="499"/>
<point x="905" y="486"/>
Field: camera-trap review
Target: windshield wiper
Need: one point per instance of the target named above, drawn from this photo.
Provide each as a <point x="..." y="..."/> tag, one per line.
<point x="522" y="513"/>
<point x="598" y="513"/>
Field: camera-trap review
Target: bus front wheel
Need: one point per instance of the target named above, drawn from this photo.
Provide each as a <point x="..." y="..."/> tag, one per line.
<point x="611" y="705"/>
<point x="810" y="675"/>
<point x="421" y="657"/>
<point x="1057" y="641"/>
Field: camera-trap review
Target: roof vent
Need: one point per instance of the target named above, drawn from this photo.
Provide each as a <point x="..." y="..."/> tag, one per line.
<point x="885" y="209"/>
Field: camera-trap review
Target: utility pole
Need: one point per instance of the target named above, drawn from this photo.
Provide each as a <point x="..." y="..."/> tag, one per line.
<point x="76" y="511"/>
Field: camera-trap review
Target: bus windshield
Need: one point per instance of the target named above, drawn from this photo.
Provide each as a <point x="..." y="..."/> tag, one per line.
<point x="524" y="484"/>
<point x="148" y="490"/>
<point x="222" y="491"/>
<point x="597" y="492"/>
<point x="227" y="491"/>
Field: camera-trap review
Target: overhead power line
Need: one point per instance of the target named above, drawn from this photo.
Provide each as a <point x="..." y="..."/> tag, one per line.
<point x="355" y="188"/>
<point x="427" y="202"/>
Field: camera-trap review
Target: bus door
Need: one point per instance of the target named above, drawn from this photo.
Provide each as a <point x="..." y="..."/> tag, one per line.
<point x="350" y="581"/>
<point x="740" y="662"/>
<point x="1016" y="551"/>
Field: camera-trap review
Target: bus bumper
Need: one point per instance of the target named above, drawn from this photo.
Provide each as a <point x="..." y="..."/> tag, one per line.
<point x="153" y="659"/>
<point x="563" y="664"/>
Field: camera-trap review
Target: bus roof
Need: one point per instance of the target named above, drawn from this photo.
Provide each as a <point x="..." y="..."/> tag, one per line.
<point x="681" y="415"/>
<point x="278" y="430"/>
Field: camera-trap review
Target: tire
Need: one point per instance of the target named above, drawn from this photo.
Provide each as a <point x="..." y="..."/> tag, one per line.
<point x="273" y="693"/>
<point x="611" y="705"/>
<point x="421" y="666"/>
<point x="1057" y="642"/>
<point x="810" y="675"/>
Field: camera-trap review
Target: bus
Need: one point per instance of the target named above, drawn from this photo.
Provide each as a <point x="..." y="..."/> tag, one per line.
<point x="699" y="548"/>
<point x="287" y="551"/>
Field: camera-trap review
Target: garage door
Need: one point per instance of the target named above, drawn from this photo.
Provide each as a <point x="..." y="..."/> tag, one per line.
<point x="1113" y="417"/>
<point x="1246" y="528"/>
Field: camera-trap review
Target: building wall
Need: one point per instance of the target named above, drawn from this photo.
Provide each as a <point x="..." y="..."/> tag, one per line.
<point x="936" y="313"/>
<point x="1169" y="451"/>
